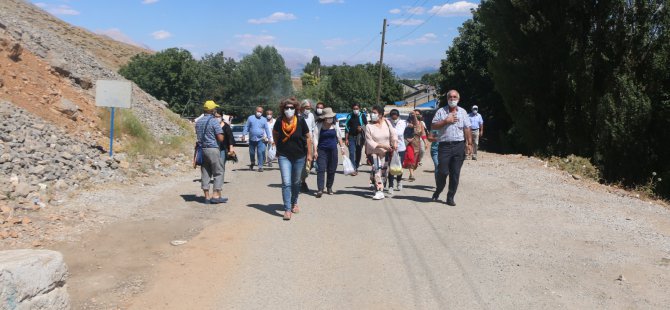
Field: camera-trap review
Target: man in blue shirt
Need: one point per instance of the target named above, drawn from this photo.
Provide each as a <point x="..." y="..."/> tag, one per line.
<point x="259" y="133"/>
<point x="209" y="134"/>
<point x="477" y="130"/>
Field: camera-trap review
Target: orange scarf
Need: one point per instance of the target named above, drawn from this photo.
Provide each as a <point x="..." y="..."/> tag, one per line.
<point x="288" y="129"/>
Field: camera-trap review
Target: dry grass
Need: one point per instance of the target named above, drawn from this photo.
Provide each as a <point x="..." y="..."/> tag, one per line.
<point x="576" y="165"/>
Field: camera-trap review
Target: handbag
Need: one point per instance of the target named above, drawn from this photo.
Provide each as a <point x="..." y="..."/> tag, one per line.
<point x="197" y="155"/>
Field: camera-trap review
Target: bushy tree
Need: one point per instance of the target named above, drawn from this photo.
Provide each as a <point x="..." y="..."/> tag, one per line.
<point x="171" y="75"/>
<point x="218" y="73"/>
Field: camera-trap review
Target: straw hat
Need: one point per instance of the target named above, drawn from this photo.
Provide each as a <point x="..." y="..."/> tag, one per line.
<point x="327" y="113"/>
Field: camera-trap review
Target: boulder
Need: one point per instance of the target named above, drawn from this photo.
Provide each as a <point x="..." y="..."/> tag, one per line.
<point x="68" y="108"/>
<point x="33" y="279"/>
<point x="21" y="190"/>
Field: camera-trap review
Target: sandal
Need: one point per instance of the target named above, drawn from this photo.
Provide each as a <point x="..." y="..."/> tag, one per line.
<point x="295" y="209"/>
<point x="411" y="179"/>
<point x="287" y="216"/>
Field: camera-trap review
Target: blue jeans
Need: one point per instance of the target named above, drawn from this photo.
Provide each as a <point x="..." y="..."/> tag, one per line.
<point x="355" y="151"/>
<point x="436" y="161"/>
<point x="327" y="164"/>
<point x="290" y="170"/>
<point x="257" y="150"/>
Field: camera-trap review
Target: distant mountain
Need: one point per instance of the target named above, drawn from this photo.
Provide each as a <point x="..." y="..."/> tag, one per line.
<point x="414" y="75"/>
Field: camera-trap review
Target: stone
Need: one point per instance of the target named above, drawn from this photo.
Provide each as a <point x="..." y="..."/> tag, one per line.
<point x="5" y="158"/>
<point x="66" y="156"/>
<point x="15" y="52"/>
<point x="5" y="209"/>
<point x="124" y="165"/>
<point x="4" y="235"/>
<point x="26" y="220"/>
<point x="33" y="279"/>
<point x="68" y="108"/>
<point x="21" y="190"/>
<point x="12" y="234"/>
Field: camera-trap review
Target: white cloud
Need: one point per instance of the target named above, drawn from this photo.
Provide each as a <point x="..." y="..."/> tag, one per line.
<point x="57" y="10"/>
<point x="334" y="43"/>
<point x="427" y="38"/>
<point x="406" y="22"/>
<point x="149" y="1"/>
<point x="251" y="40"/>
<point x="395" y="11"/>
<point x="116" y="34"/>
<point x="330" y="1"/>
<point x="275" y="17"/>
<point x="460" y="8"/>
<point x="161" y="35"/>
<point x="417" y="10"/>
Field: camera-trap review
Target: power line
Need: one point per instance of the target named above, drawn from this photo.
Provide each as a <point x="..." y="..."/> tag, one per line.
<point x="416" y="28"/>
<point x="365" y="46"/>
<point x="414" y="11"/>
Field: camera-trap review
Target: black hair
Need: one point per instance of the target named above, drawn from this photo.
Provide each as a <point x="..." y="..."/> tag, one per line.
<point x="355" y="105"/>
<point x="394" y="111"/>
<point x="378" y="109"/>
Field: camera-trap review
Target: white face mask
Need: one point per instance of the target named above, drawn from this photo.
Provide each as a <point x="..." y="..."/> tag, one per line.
<point x="374" y="117"/>
<point x="269" y="117"/>
<point x="289" y="113"/>
<point x="329" y="120"/>
<point x="453" y="103"/>
<point x="319" y="111"/>
<point x="356" y="112"/>
<point x="258" y="114"/>
<point x="306" y="112"/>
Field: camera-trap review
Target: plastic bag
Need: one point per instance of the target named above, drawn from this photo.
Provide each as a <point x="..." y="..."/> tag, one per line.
<point x="395" y="166"/>
<point x="348" y="166"/>
<point x="272" y="153"/>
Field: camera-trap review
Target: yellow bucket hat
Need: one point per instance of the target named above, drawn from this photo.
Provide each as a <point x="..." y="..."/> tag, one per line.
<point x="210" y="105"/>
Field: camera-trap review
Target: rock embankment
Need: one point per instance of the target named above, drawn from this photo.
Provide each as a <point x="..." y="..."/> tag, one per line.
<point x="36" y="155"/>
<point x="81" y="56"/>
<point x="33" y="279"/>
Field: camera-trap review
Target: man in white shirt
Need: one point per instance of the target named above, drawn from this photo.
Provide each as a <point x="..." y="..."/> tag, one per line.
<point x="399" y="125"/>
<point x="271" y="123"/>
<point x="477" y="130"/>
<point x="454" y="136"/>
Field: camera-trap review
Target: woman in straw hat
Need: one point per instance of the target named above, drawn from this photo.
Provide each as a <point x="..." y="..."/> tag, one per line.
<point x="327" y="140"/>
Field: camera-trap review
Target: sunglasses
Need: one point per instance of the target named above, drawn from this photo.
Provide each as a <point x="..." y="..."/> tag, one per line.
<point x="289" y="108"/>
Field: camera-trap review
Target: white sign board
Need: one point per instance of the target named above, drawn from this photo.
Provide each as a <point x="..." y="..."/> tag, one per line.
<point x="109" y="93"/>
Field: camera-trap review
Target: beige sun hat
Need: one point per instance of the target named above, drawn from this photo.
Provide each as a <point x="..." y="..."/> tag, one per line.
<point x="327" y="113"/>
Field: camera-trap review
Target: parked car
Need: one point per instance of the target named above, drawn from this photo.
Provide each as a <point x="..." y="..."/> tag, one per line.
<point x="238" y="134"/>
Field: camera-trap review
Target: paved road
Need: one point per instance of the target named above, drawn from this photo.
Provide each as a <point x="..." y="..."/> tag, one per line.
<point x="522" y="236"/>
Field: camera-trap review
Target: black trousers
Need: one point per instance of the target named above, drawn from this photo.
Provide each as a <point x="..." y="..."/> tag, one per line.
<point x="327" y="163"/>
<point x="450" y="160"/>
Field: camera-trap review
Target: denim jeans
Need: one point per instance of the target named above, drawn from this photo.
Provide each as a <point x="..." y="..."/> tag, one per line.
<point x="290" y="170"/>
<point x="396" y="178"/>
<point x="257" y="150"/>
<point x="327" y="164"/>
<point x="355" y="151"/>
<point x="436" y="161"/>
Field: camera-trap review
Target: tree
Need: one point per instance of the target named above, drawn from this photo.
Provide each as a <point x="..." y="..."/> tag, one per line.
<point x="313" y="67"/>
<point x="261" y="78"/>
<point x="391" y="88"/>
<point x="466" y="70"/>
<point x="217" y="73"/>
<point x="349" y="85"/>
<point x="432" y="79"/>
<point x="171" y="75"/>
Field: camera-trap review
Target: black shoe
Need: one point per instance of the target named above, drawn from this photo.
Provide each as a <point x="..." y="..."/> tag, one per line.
<point x="330" y="191"/>
<point x="260" y="169"/>
<point x="436" y="197"/>
<point x="319" y="194"/>
<point x="251" y="167"/>
<point x="304" y="188"/>
<point x="451" y="202"/>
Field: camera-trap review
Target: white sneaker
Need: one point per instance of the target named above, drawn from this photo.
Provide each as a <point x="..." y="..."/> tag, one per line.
<point x="390" y="191"/>
<point x="378" y="196"/>
<point x="398" y="187"/>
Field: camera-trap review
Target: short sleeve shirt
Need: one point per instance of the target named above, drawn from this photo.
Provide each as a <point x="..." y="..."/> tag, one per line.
<point x="206" y="129"/>
<point x="295" y="147"/>
<point x="476" y="120"/>
<point x="452" y="132"/>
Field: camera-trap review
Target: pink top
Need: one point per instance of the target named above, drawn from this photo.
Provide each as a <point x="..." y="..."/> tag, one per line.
<point x="375" y="135"/>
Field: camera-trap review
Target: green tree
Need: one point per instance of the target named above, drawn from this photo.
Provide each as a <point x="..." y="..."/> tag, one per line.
<point x="432" y="79"/>
<point x="217" y="76"/>
<point x="391" y="88"/>
<point x="261" y="78"/>
<point x="349" y="85"/>
<point x="466" y="70"/>
<point x="171" y="75"/>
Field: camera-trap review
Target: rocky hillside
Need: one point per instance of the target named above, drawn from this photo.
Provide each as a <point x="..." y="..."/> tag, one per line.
<point x="52" y="137"/>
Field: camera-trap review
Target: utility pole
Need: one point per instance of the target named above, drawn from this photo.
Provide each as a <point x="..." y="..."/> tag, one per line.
<point x="381" y="63"/>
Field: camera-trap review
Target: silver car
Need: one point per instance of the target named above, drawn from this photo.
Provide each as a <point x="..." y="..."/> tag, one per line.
<point x="238" y="134"/>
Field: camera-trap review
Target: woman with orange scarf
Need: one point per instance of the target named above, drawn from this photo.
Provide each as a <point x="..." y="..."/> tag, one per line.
<point x="291" y="135"/>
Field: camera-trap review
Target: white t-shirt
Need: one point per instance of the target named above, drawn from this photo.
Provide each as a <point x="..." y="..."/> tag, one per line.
<point x="400" y="127"/>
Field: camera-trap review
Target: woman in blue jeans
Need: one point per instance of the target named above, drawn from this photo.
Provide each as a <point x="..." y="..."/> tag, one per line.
<point x="327" y="138"/>
<point x="291" y="136"/>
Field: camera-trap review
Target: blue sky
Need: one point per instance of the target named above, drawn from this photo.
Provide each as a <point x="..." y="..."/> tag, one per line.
<point x="418" y="33"/>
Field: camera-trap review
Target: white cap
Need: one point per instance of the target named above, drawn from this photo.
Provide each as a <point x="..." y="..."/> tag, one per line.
<point x="475" y="107"/>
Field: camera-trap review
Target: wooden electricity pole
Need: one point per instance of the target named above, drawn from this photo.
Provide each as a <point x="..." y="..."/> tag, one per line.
<point x="381" y="63"/>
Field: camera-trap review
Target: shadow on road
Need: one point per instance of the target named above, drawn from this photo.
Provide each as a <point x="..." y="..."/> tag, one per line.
<point x="360" y="191"/>
<point x="413" y="198"/>
<point x="193" y="198"/>
<point x="275" y="185"/>
<point x="273" y="209"/>
<point x="420" y="187"/>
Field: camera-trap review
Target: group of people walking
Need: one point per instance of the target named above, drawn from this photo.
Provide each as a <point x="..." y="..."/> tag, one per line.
<point x="303" y="139"/>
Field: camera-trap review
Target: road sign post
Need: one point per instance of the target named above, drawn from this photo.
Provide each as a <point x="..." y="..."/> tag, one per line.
<point x="113" y="94"/>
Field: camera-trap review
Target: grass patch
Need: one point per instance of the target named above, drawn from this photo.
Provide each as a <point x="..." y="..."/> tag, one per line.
<point x="136" y="139"/>
<point x="576" y="165"/>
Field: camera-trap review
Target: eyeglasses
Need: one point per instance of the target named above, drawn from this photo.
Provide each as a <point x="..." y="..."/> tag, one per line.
<point x="289" y="108"/>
